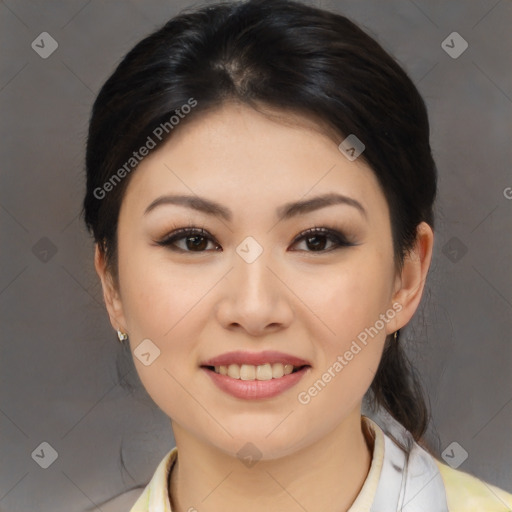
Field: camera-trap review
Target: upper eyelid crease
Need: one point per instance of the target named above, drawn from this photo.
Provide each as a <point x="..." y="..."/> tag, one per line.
<point x="333" y="234"/>
<point x="284" y="212"/>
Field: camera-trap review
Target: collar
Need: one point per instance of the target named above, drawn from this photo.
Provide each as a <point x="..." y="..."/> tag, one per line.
<point x="409" y="480"/>
<point x="402" y="477"/>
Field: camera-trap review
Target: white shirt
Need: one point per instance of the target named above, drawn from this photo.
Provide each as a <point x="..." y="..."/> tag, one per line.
<point x="409" y="480"/>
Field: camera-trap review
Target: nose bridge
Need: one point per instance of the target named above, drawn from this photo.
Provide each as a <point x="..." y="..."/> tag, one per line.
<point x="252" y="260"/>
<point x="253" y="297"/>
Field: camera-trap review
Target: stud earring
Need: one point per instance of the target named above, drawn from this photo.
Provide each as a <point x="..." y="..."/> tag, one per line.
<point x="121" y="335"/>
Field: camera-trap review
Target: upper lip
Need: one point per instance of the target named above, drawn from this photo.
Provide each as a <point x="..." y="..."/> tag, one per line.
<point x="255" y="358"/>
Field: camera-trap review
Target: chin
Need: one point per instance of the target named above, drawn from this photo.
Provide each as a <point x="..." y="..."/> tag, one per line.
<point x="255" y="444"/>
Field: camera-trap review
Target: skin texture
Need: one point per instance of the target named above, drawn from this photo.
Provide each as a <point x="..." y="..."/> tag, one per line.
<point x="310" y="303"/>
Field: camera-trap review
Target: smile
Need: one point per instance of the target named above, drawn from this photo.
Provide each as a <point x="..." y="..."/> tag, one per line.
<point x="265" y="371"/>
<point x="245" y="381"/>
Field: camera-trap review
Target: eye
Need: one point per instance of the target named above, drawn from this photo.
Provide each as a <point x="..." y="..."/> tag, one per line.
<point x="315" y="237"/>
<point x="196" y="240"/>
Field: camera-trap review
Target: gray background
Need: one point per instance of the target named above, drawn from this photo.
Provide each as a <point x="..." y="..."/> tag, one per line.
<point x="60" y="360"/>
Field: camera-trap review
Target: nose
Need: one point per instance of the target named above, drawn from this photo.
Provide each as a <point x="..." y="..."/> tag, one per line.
<point x="254" y="296"/>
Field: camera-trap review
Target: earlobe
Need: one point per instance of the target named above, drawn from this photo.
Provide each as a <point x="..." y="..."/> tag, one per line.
<point x="411" y="281"/>
<point x="111" y="294"/>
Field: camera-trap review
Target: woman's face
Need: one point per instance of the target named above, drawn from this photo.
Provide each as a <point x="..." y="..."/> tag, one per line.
<point x="250" y="283"/>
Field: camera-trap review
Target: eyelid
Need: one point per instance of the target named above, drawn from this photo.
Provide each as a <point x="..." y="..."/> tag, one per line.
<point x="335" y="235"/>
<point x="179" y="233"/>
<point x="325" y="231"/>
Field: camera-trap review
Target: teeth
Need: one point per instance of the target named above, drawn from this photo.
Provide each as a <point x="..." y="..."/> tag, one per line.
<point x="265" y="371"/>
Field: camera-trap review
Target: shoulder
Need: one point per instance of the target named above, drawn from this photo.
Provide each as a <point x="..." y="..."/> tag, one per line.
<point x="155" y="495"/>
<point x="467" y="493"/>
<point x="122" y="502"/>
<point x="142" y="503"/>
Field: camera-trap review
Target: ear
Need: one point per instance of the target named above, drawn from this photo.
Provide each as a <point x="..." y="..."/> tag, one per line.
<point x="110" y="292"/>
<point x="410" y="282"/>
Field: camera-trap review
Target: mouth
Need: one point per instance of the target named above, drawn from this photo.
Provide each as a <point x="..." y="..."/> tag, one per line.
<point x="250" y="372"/>
<point x="247" y="382"/>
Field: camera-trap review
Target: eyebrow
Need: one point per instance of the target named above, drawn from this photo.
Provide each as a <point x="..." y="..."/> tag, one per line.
<point x="284" y="212"/>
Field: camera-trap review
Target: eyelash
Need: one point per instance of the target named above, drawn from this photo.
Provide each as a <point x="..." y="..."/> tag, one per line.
<point x="331" y="234"/>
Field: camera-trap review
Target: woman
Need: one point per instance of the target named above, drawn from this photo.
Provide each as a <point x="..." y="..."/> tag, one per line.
<point x="260" y="187"/>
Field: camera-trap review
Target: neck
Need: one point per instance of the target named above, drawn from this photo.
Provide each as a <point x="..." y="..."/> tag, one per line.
<point x="325" y="476"/>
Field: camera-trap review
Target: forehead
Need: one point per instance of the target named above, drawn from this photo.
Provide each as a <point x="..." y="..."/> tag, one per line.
<point x="237" y="154"/>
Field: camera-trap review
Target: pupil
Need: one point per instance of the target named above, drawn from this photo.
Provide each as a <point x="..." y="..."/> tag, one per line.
<point x="316" y="238"/>
<point x="196" y="244"/>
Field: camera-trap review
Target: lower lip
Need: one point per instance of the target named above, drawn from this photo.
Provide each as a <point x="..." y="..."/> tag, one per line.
<point x="256" y="389"/>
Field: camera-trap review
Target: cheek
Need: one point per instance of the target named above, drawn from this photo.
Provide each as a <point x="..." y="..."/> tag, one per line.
<point x="353" y="296"/>
<point x="350" y="351"/>
<point x="350" y="305"/>
<point x="159" y="304"/>
<point x="162" y="303"/>
<point x="156" y="294"/>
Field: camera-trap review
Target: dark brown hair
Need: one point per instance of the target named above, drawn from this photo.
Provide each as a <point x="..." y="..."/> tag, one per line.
<point x="292" y="57"/>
